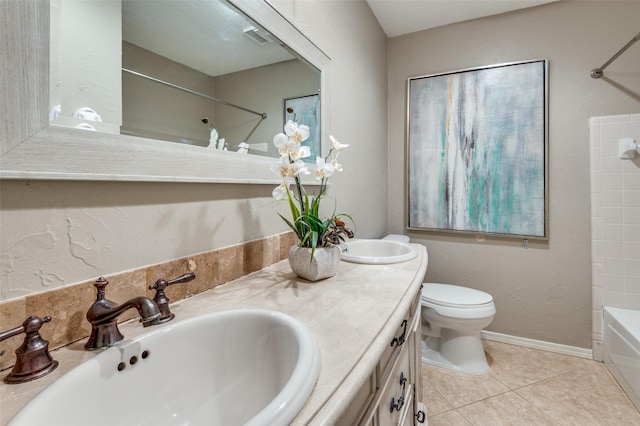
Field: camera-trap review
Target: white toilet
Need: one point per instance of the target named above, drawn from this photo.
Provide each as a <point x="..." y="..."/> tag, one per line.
<point x="452" y="318"/>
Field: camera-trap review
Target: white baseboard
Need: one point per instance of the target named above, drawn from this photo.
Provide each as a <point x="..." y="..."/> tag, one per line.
<point x="538" y="344"/>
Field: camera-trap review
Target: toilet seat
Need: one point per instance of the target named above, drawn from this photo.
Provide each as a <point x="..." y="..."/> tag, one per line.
<point x="457" y="302"/>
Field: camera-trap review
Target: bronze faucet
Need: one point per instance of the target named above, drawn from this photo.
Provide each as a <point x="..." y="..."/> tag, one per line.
<point x="162" y="300"/>
<point x="32" y="357"/>
<point x="103" y="316"/>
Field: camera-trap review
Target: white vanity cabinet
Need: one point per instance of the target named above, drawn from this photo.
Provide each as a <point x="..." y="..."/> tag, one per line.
<point x="390" y="394"/>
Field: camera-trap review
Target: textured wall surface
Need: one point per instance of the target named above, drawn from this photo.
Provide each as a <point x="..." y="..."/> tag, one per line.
<point x="59" y="233"/>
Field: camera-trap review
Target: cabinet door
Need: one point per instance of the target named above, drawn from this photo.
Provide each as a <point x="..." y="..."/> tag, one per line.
<point x="391" y="352"/>
<point x="416" y="353"/>
<point x="358" y="410"/>
<point x="407" y="416"/>
<point x="397" y="394"/>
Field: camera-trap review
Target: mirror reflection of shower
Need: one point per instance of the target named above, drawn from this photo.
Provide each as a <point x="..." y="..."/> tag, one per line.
<point x="220" y="143"/>
<point x="130" y="80"/>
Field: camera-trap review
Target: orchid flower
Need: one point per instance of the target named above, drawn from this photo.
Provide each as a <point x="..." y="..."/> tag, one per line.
<point x="302" y="152"/>
<point x="281" y="192"/>
<point x="323" y="169"/>
<point x="287" y="169"/>
<point x="285" y="145"/>
<point x="297" y="133"/>
<point x="337" y="145"/>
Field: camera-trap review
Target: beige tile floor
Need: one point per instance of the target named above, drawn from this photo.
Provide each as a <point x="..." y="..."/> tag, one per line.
<point x="527" y="387"/>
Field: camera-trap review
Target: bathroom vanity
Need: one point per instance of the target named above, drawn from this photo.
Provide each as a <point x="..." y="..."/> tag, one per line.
<point x="365" y="322"/>
<point x="390" y="394"/>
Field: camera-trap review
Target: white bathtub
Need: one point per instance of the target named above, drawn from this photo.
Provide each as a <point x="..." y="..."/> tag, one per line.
<point x="622" y="349"/>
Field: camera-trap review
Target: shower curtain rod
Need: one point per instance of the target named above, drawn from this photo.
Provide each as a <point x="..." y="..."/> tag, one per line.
<point x="263" y="115"/>
<point x="597" y="72"/>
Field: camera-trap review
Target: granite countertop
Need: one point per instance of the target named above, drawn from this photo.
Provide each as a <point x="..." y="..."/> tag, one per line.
<point x="352" y="317"/>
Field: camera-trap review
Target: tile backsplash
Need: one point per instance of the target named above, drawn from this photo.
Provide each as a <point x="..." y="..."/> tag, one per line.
<point x="615" y="217"/>
<point x="67" y="306"/>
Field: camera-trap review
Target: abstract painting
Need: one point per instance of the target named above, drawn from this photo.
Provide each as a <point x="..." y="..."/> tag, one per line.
<point x="306" y="110"/>
<point x="477" y="150"/>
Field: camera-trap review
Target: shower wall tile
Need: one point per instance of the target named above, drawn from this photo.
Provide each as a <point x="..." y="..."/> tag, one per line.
<point x="609" y="148"/>
<point x="596" y="298"/>
<point x="611" y="165"/>
<point x="633" y="302"/>
<point x="596" y="272"/>
<point x="631" y="198"/>
<point x="631" y="181"/>
<point x="612" y="232"/>
<point x="631" y="250"/>
<point x="612" y="266"/>
<point x="632" y="166"/>
<point x="615" y="118"/>
<point x="612" y="249"/>
<point x="614" y="299"/>
<point x="632" y="233"/>
<point x="611" y="181"/>
<point x="632" y="268"/>
<point x="596" y="252"/>
<point x="596" y="182"/>
<point x="594" y="159"/>
<point x="612" y="130"/>
<point x="615" y="217"/>
<point x="611" y="199"/>
<point x="612" y="215"/>
<point x="632" y="216"/>
<point x="596" y="323"/>
<point x="632" y="129"/>
<point x="613" y="282"/>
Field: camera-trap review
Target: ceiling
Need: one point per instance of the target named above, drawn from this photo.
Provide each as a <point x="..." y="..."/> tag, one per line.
<point x="196" y="32"/>
<point x="399" y="17"/>
<point x="193" y="32"/>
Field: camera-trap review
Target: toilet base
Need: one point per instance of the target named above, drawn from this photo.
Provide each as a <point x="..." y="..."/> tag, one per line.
<point x="456" y="351"/>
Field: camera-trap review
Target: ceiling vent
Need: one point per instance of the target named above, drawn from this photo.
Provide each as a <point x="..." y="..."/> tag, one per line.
<point x="259" y="36"/>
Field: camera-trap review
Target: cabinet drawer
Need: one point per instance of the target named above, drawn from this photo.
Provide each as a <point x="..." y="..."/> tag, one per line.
<point x="391" y="352"/>
<point x="359" y="404"/>
<point x="406" y="418"/>
<point x="415" y="306"/>
<point x="397" y="393"/>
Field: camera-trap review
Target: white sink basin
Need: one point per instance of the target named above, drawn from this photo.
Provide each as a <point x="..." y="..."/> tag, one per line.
<point x="377" y="251"/>
<point x="250" y="367"/>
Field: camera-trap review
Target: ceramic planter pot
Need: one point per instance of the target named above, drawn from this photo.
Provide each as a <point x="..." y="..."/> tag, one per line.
<point x="324" y="264"/>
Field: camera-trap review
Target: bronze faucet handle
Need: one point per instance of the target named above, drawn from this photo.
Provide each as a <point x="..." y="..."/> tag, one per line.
<point x="30" y="325"/>
<point x="32" y="357"/>
<point x="161" y="284"/>
<point x="162" y="300"/>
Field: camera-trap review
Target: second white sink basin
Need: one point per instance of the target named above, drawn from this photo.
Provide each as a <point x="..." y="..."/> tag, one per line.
<point x="244" y="367"/>
<point x="373" y="252"/>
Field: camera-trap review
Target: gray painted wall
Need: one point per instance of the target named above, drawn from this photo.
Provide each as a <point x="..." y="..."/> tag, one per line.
<point x="59" y="233"/>
<point x="543" y="292"/>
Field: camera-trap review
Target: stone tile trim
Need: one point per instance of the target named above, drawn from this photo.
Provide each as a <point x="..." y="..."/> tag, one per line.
<point x="68" y="305"/>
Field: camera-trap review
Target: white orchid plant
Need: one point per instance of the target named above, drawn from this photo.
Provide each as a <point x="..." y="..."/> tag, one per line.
<point x="312" y="231"/>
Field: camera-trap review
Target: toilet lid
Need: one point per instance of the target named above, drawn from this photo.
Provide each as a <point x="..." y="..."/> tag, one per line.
<point x="454" y="296"/>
